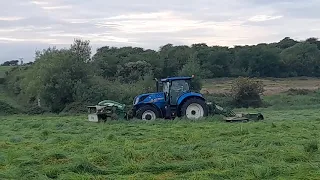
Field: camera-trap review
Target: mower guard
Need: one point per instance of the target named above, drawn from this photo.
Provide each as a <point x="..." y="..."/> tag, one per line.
<point x="231" y="116"/>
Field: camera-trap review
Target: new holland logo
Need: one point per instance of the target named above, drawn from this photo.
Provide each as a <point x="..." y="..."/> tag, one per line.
<point x="156" y="100"/>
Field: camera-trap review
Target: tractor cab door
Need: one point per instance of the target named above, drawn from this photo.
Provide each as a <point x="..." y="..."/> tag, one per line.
<point x="177" y="88"/>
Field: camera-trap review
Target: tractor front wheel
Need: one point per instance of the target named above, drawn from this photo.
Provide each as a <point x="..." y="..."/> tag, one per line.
<point x="147" y="113"/>
<point x="194" y="108"/>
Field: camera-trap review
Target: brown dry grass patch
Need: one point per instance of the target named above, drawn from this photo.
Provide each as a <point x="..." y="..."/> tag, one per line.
<point x="272" y="86"/>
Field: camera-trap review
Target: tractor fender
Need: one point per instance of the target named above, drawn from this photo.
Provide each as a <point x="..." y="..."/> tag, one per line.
<point x="149" y="104"/>
<point x="182" y="99"/>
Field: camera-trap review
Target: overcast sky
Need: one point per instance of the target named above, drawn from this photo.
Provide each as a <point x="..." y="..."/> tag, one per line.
<point x="27" y="25"/>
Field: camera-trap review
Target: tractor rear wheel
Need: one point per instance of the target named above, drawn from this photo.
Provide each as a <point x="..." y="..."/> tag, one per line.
<point x="147" y="113"/>
<point x="194" y="108"/>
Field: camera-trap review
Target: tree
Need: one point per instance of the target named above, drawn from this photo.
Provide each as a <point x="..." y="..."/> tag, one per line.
<point x="133" y="71"/>
<point x="173" y="57"/>
<point x="105" y="65"/>
<point x="286" y="43"/>
<point x="302" y="59"/>
<point x="259" y="61"/>
<point x="314" y="40"/>
<point x="54" y="75"/>
<point x="218" y="62"/>
<point x="193" y="68"/>
<point x="11" y="63"/>
<point x="81" y="50"/>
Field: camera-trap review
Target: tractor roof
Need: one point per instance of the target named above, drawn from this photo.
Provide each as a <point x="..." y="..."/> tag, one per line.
<point x="175" y="78"/>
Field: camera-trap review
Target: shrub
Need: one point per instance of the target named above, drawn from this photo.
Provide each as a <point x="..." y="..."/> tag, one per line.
<point x="224" y="100"/>
<point x="6" y="109"/>
<point x="246" y="92"/>
<point x="76" y="108"/>
<point x="2" y="80"/>
<point x="35" y="110"/>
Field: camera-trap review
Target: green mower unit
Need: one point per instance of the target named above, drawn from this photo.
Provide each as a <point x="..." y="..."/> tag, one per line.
<point x="172" y="99"/>
<point x="107" y="109"/>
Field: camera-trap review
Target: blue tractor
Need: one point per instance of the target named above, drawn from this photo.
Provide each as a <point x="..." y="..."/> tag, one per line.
<point x="172" y="99"/>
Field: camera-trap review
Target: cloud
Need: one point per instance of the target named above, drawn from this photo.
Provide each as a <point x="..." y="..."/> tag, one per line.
<point x="137" y="16"/>
<point x="93" y="37"/>
<point x="39" y="2"/>
<point x="24" y="29"/>
<point x="259" y="18"/>
<point x="10" y="39"/>
<point x="55" y="7"/>
<point x="152" y="23"/>
<point x="12" y="18"/>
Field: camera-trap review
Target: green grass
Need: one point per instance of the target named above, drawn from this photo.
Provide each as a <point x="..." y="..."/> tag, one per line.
<point x="307" y="100"/>
<point x="284" y="146"/>
<point x="3" y="70"/>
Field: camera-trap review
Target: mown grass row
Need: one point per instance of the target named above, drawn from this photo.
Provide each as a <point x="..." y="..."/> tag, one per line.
<point x="285" y="145"/>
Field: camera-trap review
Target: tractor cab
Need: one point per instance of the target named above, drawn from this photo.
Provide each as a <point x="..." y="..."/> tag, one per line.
<point x="173" y="88"/>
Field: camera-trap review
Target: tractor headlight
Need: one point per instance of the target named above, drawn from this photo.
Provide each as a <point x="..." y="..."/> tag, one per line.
<point x="136" y="101"/>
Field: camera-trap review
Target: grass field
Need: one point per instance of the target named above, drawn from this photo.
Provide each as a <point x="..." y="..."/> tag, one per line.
<point x="283" y="146"/>
<point x="50" y="147"/>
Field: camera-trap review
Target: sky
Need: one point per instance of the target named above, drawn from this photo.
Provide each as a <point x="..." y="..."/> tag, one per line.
<point x="30" y="25"/>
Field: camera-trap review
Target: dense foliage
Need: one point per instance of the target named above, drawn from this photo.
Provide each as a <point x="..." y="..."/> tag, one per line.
<point x="10" y="63"/>
<point x="246" y="92"/>
<point x="62" y="77"/>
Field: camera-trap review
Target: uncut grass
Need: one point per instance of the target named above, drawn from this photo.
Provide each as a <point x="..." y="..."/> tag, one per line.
<point x="40" y="147"/>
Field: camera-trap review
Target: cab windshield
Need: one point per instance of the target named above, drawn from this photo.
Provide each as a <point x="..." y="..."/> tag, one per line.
<point x="180" y="86"/>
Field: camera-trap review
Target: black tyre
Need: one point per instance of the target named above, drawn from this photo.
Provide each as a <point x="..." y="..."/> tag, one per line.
<point x="147" y="113"/>
<point x="194" y="108"/>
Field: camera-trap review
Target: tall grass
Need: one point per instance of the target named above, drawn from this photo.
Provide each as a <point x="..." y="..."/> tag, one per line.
<point x="285" y="145"/>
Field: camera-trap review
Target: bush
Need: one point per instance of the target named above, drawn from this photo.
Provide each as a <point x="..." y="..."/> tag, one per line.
<point x="2" y="80"/>
<point x="224" y="100"/>
<point x="35" y="110"/>
<point x="6" y="109"/>
<point x="75" y="108"/>
<point x="246" y="92"/>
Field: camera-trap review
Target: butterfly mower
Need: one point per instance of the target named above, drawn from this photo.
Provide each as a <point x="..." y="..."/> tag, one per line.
<point x="173" y="99"/>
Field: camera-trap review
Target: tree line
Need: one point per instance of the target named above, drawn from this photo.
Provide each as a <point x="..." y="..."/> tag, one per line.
<point x="11" y="63"/>
<point x="65" y="79"/>
<point x="287" y="58"/>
